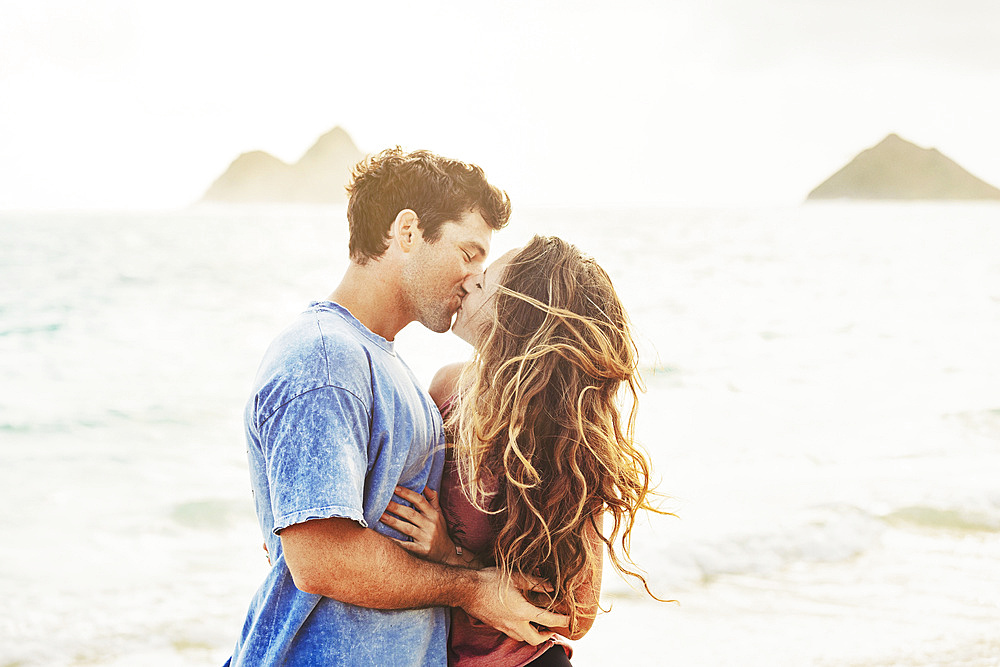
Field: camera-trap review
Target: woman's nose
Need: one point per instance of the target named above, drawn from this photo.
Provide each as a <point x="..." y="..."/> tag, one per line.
<point x="473" y="282"/>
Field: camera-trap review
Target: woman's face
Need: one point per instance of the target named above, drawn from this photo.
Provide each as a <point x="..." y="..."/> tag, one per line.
<point x="473" y="318"/>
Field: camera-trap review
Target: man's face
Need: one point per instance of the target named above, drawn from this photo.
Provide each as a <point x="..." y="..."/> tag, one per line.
<point x="433" y="278"/>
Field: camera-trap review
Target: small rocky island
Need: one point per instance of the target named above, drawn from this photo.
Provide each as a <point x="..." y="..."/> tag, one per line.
<point x="318" y="177"/>
<point x="897" y="169"/>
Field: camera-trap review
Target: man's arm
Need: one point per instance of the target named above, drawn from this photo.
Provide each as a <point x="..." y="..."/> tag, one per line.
<point x="340" y="559"/>
<point x="424" y="524"/>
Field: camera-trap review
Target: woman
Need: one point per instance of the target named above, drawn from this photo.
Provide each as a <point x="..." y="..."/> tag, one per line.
<point x="540" y="454"/>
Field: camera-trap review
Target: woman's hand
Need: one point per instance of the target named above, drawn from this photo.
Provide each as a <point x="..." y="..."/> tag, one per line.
<point x="424" y="524"/>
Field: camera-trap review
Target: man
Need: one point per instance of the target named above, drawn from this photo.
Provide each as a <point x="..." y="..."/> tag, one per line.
<point x="337" y="420"/>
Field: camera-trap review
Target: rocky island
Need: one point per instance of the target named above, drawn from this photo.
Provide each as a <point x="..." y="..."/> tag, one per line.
<point x="318" y="177"/>
<point x="897" y="169"/>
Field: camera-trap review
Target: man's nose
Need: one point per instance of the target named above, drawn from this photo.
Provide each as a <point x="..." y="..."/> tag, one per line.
<point x="477" y="265"/>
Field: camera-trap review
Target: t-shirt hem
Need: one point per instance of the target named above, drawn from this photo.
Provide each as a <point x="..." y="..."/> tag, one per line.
<point x="331" y="512"/>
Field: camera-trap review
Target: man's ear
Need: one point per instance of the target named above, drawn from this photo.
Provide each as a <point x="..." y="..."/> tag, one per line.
<point x="405" y="230"/>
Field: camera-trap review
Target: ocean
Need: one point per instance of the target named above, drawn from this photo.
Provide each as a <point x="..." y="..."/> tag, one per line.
<point x="822" y="412"/>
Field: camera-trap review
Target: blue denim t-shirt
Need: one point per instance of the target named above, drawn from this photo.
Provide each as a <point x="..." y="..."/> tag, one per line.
<point x="335" y="422"/>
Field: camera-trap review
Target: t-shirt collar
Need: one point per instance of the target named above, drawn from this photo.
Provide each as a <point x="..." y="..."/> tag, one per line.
<point x="332" y="306"/>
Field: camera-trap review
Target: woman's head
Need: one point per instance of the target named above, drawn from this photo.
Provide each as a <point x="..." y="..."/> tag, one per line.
<point x="541" y="413"/>
<point x="549" y="292"/>
<point x="550" y="273"/>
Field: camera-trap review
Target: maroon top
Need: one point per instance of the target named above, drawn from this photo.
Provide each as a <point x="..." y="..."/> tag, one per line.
<point x="472" y="643"/>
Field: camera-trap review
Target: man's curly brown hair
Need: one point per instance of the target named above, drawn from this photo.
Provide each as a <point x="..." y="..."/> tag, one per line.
<point x="436" y="188"/>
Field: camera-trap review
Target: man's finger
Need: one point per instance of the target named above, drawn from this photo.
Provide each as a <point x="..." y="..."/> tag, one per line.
<point x="550" y="619"/>
<point x="432" y="496"/>
<point x="533" y="636"/>
<point x="529" y="583"/>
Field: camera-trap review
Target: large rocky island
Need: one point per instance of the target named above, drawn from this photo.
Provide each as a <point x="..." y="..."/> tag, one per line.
<point x="897" y="169"/>
<point x="318" y="177"/>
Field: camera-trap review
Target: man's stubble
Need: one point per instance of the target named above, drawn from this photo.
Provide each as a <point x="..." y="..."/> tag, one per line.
<point x="432" y="298"/>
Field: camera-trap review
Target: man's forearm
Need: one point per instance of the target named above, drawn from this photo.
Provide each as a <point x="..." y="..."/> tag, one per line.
<point x="340" y="559"/>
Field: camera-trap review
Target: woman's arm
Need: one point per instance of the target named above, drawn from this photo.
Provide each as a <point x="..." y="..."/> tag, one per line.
<point x="444" y="385"/>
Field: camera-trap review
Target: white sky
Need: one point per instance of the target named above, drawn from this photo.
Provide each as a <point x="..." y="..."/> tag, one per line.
<point x="118" y="104"/>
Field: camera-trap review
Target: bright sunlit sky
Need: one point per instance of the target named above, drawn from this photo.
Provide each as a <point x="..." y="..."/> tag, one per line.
<point x="121" y="104"/>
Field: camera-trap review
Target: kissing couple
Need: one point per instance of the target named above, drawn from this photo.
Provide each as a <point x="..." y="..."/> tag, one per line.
<point x="465" y="524"/>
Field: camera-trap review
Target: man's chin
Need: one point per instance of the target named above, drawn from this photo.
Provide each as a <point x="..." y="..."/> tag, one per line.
<point x="437" y="324"/>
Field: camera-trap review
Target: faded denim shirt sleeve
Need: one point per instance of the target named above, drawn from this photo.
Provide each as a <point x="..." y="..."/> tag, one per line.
<point x="316" y="451"/>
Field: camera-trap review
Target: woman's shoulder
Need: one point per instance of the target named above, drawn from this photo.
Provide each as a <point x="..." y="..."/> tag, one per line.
<point x="444" y="385"/>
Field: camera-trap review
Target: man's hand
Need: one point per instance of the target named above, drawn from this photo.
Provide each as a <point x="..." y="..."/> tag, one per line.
<point x="503" y="606"/>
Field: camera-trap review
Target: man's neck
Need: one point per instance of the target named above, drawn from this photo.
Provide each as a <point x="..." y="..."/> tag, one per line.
<point x="372" y="294"/>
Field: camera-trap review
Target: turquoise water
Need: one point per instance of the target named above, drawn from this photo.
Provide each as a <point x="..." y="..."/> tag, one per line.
<point x="823" y="410"/>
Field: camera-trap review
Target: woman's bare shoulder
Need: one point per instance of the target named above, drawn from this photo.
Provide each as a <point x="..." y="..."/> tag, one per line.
<point x="445" y="383"/>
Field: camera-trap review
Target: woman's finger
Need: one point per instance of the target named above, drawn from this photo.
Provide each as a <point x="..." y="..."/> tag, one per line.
<point x="412" y="497"/>
<point x="409" y="546"/>
<point x="405" y="527"/>
<point x="404" y="512"/>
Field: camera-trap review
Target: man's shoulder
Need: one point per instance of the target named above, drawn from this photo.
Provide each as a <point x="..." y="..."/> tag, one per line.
<point x="322" y="333"/>
<point x="317" y="350"/>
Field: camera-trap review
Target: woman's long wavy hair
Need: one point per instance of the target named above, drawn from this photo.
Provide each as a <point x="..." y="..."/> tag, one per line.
<point x="540" y="439"/>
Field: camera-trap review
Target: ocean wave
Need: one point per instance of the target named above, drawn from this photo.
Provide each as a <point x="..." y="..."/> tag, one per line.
<point x="32" y="329"/>
<point x="31" y="427"/>
<point x="819" y="535"/>
<point x="210" y="513"/>
<point x="954" y="519"/>
<point x="984" y="423"/>
<point x="825" y="534"/>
